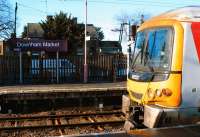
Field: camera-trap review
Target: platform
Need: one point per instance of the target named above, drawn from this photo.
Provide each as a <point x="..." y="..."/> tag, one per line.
<point x="178" y="131"/>
<point x="63" y="88"/>
<point x="110" y="94"/>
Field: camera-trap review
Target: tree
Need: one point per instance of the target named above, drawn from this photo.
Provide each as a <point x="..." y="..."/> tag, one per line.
<point x="97" y="34"/>
<point x="100" y="34"/>
<point x="135" y="18"/>
<point x="6" y="20"/>
<point x="65" y="27"/>
<point x="24" y="33"/>
<point x="125" y="19"/>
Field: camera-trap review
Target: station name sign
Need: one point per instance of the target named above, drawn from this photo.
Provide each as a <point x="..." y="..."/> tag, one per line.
<point x="41" y="45"/>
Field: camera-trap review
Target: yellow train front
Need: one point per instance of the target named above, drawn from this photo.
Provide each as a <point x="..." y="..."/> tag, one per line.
<point x="164" y="73"/>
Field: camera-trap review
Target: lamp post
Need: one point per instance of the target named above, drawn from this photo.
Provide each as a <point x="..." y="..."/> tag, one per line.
<point x="129" y="43"/>
<point x="85" y="47"/>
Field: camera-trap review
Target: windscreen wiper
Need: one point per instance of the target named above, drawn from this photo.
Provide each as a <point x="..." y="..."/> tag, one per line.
<point x="133" y="63"/>
<point x="140" y="52"/>
<point x="146" y="62"/>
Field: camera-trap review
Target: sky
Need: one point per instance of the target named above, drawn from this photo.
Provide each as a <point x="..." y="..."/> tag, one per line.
<point x="101" y="13"/>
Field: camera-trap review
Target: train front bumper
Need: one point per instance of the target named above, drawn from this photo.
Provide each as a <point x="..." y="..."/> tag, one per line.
<point x="155" y="116"/>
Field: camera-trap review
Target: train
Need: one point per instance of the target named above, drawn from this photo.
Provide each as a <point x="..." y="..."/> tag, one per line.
<point x="164" y="73"/>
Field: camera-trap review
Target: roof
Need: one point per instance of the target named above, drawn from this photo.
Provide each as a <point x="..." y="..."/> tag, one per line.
<point x="110" y="44"/>
<point x="190" y="14"/>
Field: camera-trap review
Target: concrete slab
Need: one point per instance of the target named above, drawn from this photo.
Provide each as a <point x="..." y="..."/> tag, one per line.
<point x="118" y="86"/>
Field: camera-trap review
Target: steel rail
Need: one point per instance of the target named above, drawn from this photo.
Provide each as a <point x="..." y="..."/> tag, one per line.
<point x="64" y="125"/>
<point x="59" y="116"/>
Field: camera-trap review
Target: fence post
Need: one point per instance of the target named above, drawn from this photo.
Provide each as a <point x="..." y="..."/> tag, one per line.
<point x="41" y="79"/>
<point x="20" y="68"/>
<point x="57" y="66"/>
<point x="1" y="70"/>
<point x="114" y="67"/>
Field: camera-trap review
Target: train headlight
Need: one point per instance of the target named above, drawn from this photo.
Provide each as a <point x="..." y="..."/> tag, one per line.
<point x="158" y="92"/>
<point x="166" y="92"/>
<point x="151" y="93"/>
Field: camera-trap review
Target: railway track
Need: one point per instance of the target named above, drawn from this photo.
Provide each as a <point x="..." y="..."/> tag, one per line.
<point x="62" y="121"/>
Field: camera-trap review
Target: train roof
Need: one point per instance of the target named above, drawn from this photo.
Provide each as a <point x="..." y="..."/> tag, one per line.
<point x="190" y="14"/>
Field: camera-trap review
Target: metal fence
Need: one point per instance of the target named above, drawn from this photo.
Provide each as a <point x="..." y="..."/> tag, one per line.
<point x="65" y="69"/>
<point x="9" y="69"/>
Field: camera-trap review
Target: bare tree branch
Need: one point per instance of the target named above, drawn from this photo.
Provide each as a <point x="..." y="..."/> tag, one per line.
<point x="133" y="18"/>
<point x="6" y="19"/>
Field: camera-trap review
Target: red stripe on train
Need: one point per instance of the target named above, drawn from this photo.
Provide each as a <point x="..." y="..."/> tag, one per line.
<point x="196" y="35"/>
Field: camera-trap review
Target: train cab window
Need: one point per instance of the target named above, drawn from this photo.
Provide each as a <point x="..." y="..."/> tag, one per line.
<point x="153" y="51"/>
<point x="150" y="44"/>
<point x="140" y="43"/>
<point x="160" y="49"/>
